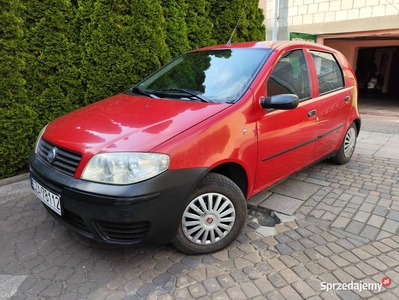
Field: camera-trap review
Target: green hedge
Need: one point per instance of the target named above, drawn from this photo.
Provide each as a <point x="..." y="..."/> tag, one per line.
<point x="58" y="55"/>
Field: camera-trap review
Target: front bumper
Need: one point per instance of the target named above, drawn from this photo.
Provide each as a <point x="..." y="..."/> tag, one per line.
<point x="144" y="213"/>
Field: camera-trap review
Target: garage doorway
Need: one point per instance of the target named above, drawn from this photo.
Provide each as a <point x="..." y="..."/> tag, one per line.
<point x="393" y="82"/>
<point x="377" y="71"/>
<point x="363" y="49"/>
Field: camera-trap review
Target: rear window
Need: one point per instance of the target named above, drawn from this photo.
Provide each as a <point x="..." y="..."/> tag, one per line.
<point x="328" y="71"/>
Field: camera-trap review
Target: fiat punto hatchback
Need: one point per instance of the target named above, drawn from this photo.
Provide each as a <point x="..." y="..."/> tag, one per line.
<point x="176" y="157"/>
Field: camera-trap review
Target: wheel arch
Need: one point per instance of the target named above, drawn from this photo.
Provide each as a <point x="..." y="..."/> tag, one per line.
<point x="236" y="173"/>
<point x="358" y="123"/>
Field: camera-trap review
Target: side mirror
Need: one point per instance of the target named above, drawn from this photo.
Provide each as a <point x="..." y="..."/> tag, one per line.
<point x="283" y="101"/>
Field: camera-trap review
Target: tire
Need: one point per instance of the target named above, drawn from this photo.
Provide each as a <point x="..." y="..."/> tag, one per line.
<point x="213" y="216"/>
<point x="347" y="147"/>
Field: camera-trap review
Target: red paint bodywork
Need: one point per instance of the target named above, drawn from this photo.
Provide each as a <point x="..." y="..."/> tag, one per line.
<point x="197" y="134"/>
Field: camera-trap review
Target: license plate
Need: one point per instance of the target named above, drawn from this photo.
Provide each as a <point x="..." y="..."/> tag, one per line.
<point x="50" y="199"/>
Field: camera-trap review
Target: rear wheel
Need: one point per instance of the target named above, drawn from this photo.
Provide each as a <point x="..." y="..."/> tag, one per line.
<point x="213" y="217"/>
<point x="347" y="147"/>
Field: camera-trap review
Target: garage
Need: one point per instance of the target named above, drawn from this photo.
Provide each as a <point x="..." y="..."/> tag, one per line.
<point x="377" y="71"/>
<point x="374" y="56"/>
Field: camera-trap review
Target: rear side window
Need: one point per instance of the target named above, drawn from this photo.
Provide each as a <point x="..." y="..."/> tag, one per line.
<point x="290" y="76"/>
<point x="328" y="71"/>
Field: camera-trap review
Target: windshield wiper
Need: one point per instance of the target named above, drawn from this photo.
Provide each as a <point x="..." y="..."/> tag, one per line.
<point x="189" y="92"/>
<point x="143" y="92"/>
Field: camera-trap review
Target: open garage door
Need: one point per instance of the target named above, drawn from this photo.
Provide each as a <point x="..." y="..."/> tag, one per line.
<point x="393" y="81"/>
<point x="374" y="56"/>
<point x="377" y="71"/>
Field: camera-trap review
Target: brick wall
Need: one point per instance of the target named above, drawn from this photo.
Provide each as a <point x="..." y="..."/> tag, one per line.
<point x="295" y="13"/>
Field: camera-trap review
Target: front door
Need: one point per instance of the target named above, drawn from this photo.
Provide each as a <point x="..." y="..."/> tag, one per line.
<point x="286" y="138"/>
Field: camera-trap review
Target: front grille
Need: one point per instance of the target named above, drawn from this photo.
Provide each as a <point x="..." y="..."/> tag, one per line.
<point x="65" y="161"/>
<point x="131" y="232"/>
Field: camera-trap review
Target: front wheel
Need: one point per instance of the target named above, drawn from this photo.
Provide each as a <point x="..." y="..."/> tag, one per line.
<point x="347" y="147"/>
<point x="213" y="217"/>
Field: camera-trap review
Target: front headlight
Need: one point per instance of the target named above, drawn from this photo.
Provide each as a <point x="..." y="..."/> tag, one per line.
<point x="39" y="137"/>
<point x="125" y="167"/>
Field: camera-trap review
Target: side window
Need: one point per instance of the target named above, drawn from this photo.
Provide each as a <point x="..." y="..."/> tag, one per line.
<point x="290" y="76"/>
<point x="328" y="71"/>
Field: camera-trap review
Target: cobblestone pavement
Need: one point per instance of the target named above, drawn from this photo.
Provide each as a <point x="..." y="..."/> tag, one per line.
<point x="345" y="230"/>
<point x="381" y="124"/>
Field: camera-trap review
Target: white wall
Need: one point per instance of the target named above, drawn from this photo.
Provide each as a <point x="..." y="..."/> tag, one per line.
<point x="334" y="16"/>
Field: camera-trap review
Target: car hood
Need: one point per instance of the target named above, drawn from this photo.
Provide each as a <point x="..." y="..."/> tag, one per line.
<point x="127" y="123"/>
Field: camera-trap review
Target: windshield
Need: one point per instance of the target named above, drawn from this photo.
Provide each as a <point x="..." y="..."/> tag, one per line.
<point x="220" y="76"/>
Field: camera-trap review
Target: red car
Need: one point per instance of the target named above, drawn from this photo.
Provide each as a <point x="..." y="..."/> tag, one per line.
<point x="175" y="158"/>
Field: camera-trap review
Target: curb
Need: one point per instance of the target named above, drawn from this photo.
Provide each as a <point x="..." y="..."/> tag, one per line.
<point x="14" y="179"/>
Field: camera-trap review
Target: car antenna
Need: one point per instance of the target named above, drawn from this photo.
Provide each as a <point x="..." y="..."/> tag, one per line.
<point x="235" y="28"/>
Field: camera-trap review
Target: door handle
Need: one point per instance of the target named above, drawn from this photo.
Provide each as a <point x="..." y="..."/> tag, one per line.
<point x="312" y="113"/>
<point x="347" y="98"/>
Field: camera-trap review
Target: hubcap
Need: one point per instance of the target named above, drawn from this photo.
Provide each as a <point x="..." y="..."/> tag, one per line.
<point x="349" y="143"/>
<point x="208" y="218"/>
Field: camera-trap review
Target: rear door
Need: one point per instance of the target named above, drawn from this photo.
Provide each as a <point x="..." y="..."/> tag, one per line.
<point x="286" y="138"/>
<point x="334" y="102"/>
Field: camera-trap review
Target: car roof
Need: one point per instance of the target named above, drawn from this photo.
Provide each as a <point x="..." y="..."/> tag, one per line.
<point x="268" y="45"/>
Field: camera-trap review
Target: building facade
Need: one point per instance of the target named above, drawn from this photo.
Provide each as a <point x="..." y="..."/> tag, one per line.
<point x="365" y="31"/>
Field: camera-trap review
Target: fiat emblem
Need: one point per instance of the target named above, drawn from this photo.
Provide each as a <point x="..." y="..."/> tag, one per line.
<point x="209" y="221"/>
<point x="51" y="155"/>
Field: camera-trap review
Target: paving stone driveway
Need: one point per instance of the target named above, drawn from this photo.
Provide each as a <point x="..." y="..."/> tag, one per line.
<point x="343" y="231"/>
